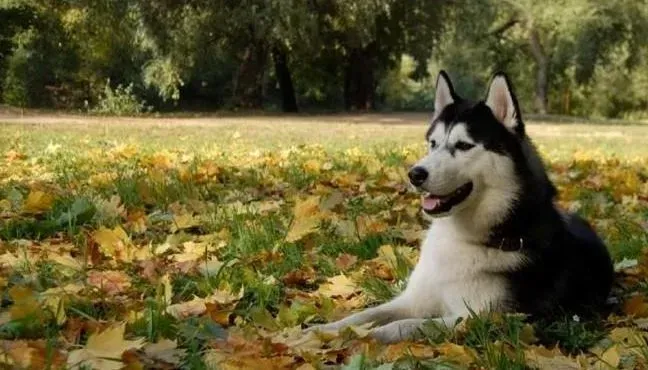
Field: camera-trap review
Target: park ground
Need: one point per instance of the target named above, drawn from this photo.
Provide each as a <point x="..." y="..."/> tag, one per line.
<point x="207" y="241"/>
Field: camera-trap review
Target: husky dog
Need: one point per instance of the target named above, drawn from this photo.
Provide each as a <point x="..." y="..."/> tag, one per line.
<point x="497" y="241"/>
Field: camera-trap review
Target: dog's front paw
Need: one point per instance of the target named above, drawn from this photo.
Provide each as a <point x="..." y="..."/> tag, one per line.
<point x="397" y="331"/>
<point x="332" y="327"/>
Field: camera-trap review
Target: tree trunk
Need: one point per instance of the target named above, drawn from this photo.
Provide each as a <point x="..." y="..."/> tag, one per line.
<point x="359" y="80"/>
<point x="248" y="83"/>
<point x="288" y="99"/>
<point x="542" y="71"/>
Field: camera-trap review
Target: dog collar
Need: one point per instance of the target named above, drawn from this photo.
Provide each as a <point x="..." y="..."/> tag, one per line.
<point x="506" y="244"/>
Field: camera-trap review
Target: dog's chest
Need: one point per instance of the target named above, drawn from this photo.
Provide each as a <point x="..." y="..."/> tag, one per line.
<point x="451" y="274"/>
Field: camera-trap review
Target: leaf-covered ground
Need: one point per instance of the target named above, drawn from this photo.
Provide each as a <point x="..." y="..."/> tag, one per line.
<point x="210" y="245"/>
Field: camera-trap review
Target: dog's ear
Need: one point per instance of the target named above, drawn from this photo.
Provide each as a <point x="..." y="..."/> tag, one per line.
<point x="503" y="103"/>
<point x="444" y="94"/>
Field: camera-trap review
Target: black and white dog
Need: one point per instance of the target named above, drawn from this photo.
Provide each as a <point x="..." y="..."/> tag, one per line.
<point x="497" y="241"/>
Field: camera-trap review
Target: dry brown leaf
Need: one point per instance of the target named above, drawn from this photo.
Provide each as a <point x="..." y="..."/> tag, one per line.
<point x="111" y="282"/>
<point x="165" y="350"/>
<point x="345" y="261"/>
<point x="636" y="306"/>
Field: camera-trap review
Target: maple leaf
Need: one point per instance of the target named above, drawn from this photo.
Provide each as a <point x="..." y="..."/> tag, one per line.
<point x="104" y="350"/>
<point x="397" y="351"/>
<point x="72" y="264"/>
<point x="166" y="351"/>
<point x="459" y="354"/>
<point x="110" y="282"/>
<point x="542" y="358"/>
<point x="198" y="306"/>
<point x="114" y="243"/>
<point x="345" y="261"/>
<point x="37" y="202"/>
<point x="607" y="359"/>
<point x="306" y="219"/>
<point x="368" y="225"/>
<point x="54" y="299"/>
<point x="338" y="286"/>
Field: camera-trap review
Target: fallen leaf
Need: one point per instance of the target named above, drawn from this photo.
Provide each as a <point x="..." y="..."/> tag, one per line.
<point x="104" y="350"/>
<point x="37" y="202"/>
<point x="636" y="306"/>
<point x="345" y="261"/>
<point x="165" y="350"/>
<point x="113" y="243"/>
<point x="110" y="282"/>
<point x="25" y="303"/>
<point x="542" y="358"/>
<point x="338" y="286"/>
<point x="459" y="354"/>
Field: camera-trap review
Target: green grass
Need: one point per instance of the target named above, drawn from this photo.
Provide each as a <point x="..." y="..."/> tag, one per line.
<point x="238" y="179"/>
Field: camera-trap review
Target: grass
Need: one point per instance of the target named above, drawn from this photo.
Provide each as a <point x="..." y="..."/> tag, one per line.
<point x="246" y="227"/>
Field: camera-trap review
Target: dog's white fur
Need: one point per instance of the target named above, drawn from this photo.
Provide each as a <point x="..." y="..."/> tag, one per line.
<point x="454" y="272"/>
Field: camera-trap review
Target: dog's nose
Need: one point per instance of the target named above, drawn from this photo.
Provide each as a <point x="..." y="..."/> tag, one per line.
<point x="418" y="175"/>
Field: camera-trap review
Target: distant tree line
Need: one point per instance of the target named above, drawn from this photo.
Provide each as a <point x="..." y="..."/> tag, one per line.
<point x="581" y="57"/>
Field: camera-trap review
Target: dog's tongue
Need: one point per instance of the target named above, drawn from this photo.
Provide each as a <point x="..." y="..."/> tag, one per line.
<point x="430" y="202"/>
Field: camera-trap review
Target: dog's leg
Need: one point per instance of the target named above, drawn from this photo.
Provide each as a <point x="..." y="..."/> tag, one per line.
<point x="409" y="329"/>
<point x="396" y="309"/>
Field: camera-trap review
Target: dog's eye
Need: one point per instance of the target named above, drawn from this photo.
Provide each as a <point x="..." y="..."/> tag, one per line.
<point x="433" y="144"/>
<point x="462" y="145"/>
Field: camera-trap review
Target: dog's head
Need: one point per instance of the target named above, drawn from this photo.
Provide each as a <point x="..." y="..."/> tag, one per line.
<point x="478" y="154"/>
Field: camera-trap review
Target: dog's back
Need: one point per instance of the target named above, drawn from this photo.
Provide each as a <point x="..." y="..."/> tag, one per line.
<point x="570" y="270"/>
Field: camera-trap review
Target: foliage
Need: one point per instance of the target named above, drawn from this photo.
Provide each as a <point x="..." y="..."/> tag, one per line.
<point x="120" y="101"/>
<point x="153" y="246"/>
<point x="581" y="57"/>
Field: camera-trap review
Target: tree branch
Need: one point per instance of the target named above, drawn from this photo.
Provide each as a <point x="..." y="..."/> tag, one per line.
<point x="505" y="27"/>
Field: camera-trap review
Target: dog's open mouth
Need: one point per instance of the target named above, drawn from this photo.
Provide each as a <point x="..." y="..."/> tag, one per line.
<point x="435" y="204"/>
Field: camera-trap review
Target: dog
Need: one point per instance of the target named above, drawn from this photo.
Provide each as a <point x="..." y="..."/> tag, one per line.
<point x="496" y="242"/>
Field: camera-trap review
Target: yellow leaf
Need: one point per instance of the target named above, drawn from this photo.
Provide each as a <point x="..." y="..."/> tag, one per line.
<point x="183" y="221"/>
<point x="307" y="207"/>
<point x="456" y="353"/>
<point x="306" y="218"/>
<point x="113" y="243"/>
<point x="54" y="299"/>
<point x="609" y="359"/>
<point x="37" y="202"/>
<point x="25" y="303"/>
<point x="338" y="286"/>
<point x="394" y="352"/>
<point x="104" y="350"/>
<point x="301" y="227"/>
<point x="198" y="306"/>
<point x="542" y="358"/>
<point x="66" y="260"/>
<point x="368" y="225"/>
